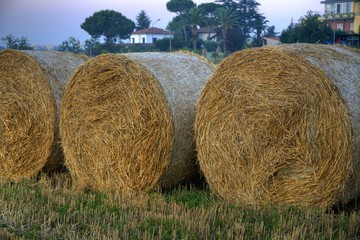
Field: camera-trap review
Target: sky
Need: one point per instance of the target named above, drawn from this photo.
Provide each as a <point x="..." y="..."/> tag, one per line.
<point x="50" y="22"/>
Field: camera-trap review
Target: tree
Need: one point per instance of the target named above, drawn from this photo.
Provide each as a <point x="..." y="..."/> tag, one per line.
<point x="227" y="3"/>
<point x="110" y="24"/>
<point x="313" y="30"/>
<point x="227" y="19"/>
<point x="249" y="20"/>
<point x="195" y="18"/>
<point x="288" y="34"/>
<point x="247" y="14"/>
<point x="71" y="45"/>
<point x="92" y="47"/>
<point x="181" y="8"/>
<point x="21" y="43"/>
<point x="270" y="31"/>
<point x="310" y="29"/>
<point x="176" y="26"/>
<point x="142" y="20"/>
<point x="208" y="10"/>
<point x="260" y="26"/>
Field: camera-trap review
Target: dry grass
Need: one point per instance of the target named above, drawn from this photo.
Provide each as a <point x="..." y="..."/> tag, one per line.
<point x="127" y="120"/>
<point x="50" y="209"/>
<point x="30" y="91"/>
<point x="278" y="125"/>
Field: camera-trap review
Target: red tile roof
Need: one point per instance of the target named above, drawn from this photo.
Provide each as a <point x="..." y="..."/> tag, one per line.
<point x="152" y="31"/>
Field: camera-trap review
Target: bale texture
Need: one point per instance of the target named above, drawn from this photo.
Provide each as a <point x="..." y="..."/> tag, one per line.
<point x="31" y="87"/>
<point x="127" y="120"/>
<point x="281" y="125"/>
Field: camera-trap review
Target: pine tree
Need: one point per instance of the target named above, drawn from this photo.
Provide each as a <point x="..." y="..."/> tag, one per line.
<point x="142" y="20"/>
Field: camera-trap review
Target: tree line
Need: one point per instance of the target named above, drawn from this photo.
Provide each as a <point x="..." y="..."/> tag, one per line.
<point x="237" y="23"/>
<point x="234" y="21"/>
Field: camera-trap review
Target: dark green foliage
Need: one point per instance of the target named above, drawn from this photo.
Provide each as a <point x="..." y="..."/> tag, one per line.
<point x="164" y="44"/>
<point x="236" y="21"/>
<point x="227" y="3"/>
<point x="21" y="43"/>
<point x="177" y="43"/>
<point x="195" y="18"/>
<point x="270" y="31"/>
<point x="309" y="30"/>
<point x="108" y="23"/>
<point x="142" y="20"/>
<point x="178" y="28"/>
<point x="227" y="19"/>
<point x="208" y="10"/>
<point x="209" y="19"/>
<point x="138" y="48"/>
<point x="175" y="24"/>
<point x="181" y="8"/>
<point x="260" y="26"/>
<point x="210" y="46"/>
<point x="93" y="47"/>
<point x="289" y="35"/>
<point x="71" y="45"/>
<point x="249" y="22"/>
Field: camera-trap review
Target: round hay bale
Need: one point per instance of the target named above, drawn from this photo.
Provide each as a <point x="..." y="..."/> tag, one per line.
<point x="31" y="86"/>
<point x="281" y="125"/>
<point x="127" y="120"/>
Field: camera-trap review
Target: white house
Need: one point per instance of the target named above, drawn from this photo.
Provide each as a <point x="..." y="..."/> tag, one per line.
<point x="206" y="33"/>
<point x="149" y="35"/>
<point x="271" y="41"/>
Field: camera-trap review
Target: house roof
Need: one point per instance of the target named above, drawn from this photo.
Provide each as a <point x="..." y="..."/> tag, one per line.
<point x="273" y="38"/>
<point x="151" y="31"/>
<point x="206" y="30"/>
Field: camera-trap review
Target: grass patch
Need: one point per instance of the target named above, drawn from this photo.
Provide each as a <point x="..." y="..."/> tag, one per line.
<point x="49" y="208"/>
<point x="191" y="197"/>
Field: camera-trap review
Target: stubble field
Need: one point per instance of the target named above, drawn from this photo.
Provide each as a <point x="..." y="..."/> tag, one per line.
<point x="50" y="208"/>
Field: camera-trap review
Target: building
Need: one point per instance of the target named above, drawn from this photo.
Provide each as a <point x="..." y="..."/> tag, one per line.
<point x="148" y="35"/>
<point x="271" y="41"/>
<point x="343" y="15"/>
<point x="207" y="34"/>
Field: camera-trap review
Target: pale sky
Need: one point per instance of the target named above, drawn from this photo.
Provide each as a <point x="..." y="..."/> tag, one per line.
<point x="46" y="22"/>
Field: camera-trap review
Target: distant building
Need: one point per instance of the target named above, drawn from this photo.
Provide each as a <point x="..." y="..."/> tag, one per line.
<point x="343" y="15"/>
<point x="206" y="33"/>
<point x="148" y="36"/>
<point x="270" y="41"/>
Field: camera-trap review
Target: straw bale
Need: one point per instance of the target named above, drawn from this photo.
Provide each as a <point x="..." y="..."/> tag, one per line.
<point x="127" y="120"/>
<point x="31" y="87"/>
<point x="281" y="125"/>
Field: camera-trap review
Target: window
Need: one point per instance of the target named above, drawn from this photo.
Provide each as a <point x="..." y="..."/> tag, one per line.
<point x="154" y="39"/>
<point x="340" y="26"/>
<point x="351" y="27"/>
<point x="338" y="8"/>
<point x="133" y="40"/>
<point x="328" y="8"/>
<point x="348" y="7"/>
<point x="143" y="40"/>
